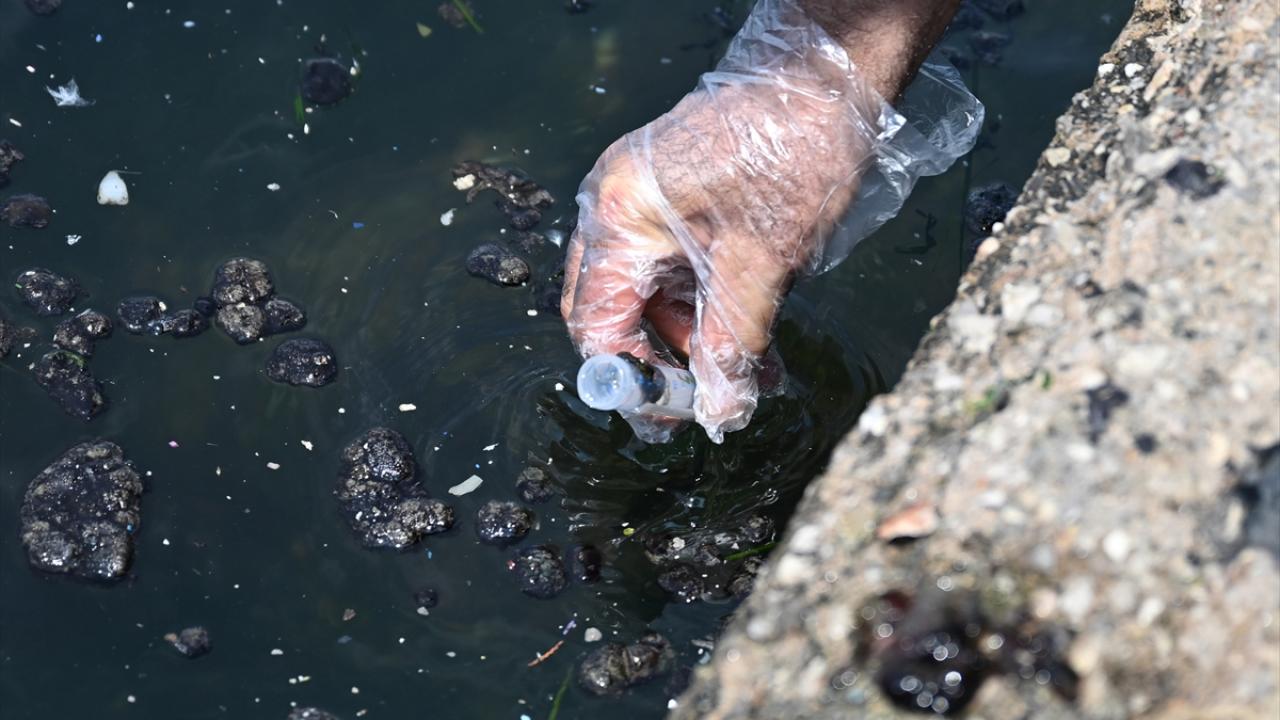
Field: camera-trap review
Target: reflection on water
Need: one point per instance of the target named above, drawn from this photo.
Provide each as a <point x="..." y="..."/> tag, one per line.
<point x="261" y="557"/>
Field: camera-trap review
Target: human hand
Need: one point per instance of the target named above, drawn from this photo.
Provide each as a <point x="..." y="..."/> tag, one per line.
<point x="699" y="222"/>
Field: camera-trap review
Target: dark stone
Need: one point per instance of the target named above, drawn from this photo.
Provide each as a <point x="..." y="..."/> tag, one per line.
<point x="539" y="571"/>
<point x="1103" y="401"/>
<point x="303" y="361"/>
<point x="188" y="323"/>
<point x="498" y="265"/>
<point x="502" y="523"/>
<point x="11" y="335"/>
<point x="43" y="7"/>
<point x="325" y="81"/>
<point x="426" y="598"/>
<point x="516" y="189"/>
<point x="205" y="305"/>
<point x="585" y="562"/>
<point x="311" y="713"/>
<point x="46" y="292"/>
<point x="135" y="313"/>
<point x="242" y="280"/>
<point x="614" y="667"/>
<point x="987" y="206"/>
<point x="242" y="322"/>
<point x="1194" y="178"/>
<point x="78" y="333"/>
<point x="683" y="582"/>
<point x="9" y="156"/>
<point x="534" y="486"/>
<point x="191" y="642"/>
<point x="283" y="316"/>
<point x="68" y="381"/>
<point x="79" y="513"/>
<point x="384" y="503"/>
<point x="29" y="210"/>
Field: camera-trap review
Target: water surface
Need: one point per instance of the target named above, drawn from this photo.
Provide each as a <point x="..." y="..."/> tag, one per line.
<point x="261" y="557"/>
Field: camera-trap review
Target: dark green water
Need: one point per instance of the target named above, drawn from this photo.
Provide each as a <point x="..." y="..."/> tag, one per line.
<point x="261" y="557"/>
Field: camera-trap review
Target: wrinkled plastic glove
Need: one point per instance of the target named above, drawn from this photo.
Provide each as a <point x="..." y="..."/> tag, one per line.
<point x="699" y="222"/>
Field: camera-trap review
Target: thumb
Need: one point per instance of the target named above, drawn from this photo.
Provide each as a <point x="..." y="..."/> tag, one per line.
<point x="737" y="303"/>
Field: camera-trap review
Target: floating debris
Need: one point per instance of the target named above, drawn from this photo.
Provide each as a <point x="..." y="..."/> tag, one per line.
<point x="68" y="95"/>
<point x="466" y="486"/>
<point x="112" y="190"/>
<point x="46" y="292"/>
<point x="385" y="504"/>
<point x="9" y="156"/>
<point x="191" y="642"/>
<point x="303" y="361"/>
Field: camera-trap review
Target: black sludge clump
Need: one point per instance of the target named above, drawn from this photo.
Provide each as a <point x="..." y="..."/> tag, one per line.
<point x="135" y="313"/>
<point x="79" y="513"/>
<point x="66" y="377"/>
<point x="614" y="667"/>
<point x="9" y="156"/>
<point x="585" y="562"/>
<point x="534" y="486"/>
<point x="325" y="81"/>
<point x="384" y="503"/>
<point x="43" y="7"/>
<point x="26" y="211"/>
<point x="242" y="280"/>
<point x="283" y="316"/>
<point x="242" y="322"/>
<point x="11" y="334"/>
<point x="539" y="571"/>
<point x="78" y="333"/>
<point x="987" y="206"/>
<point x="498" y="265"/>
<point x="180" y="324"/>
<point x="303" y="361"/>
<point x="190" y="642"/>
<point x="46" y="292"/>
<point x="502" y="523"/>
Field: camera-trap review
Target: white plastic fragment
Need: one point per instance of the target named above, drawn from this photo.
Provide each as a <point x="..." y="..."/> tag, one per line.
<point x="466" y="182"/>
<point x="466" y="486"/>
<point x="188" y="24"/>
<point x="408" y="407"/>
<point x="306" y="444"/>
<point x="490" y="448"/>
<point x="273" y="187"/>
<point x="73" y="239"/>
<point x="277" y="651"/>
<point x="592" y="635"/>
<point x="446" y="218"/>
<point x="273" y="466"/>
<point x="68" y="95"/>
<point x="112" y="190"/>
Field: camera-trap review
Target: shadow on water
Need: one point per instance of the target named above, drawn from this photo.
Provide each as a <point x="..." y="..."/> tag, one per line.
<point x="261" y="556"/>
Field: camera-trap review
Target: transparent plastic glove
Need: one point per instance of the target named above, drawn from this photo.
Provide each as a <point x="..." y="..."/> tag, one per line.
<point x="699" y="222"/>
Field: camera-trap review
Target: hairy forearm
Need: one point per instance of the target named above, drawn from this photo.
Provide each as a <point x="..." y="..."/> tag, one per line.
<point x="886" y="39"/>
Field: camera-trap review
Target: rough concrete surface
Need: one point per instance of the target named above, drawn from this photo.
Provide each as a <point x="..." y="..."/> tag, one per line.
<point x="1078" y="477"/>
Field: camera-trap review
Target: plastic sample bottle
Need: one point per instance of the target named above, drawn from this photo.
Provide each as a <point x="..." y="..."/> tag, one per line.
<point x="627" y="384"/>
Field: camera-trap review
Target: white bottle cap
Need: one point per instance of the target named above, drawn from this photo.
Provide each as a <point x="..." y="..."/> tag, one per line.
<point x="607" y="382"/>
